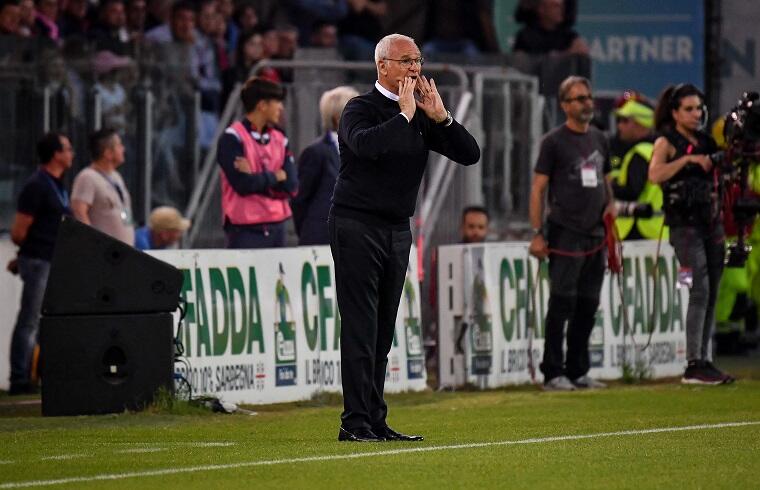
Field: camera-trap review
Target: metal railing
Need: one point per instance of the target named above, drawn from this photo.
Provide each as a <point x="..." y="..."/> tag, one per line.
<point x="497" y="105"/>
<point x="48" y="92"/>
<point x="506" y="119"/>
<point x="207" y="226"/>
<point x="511" y="108"/>
<point x="438" y="184"/>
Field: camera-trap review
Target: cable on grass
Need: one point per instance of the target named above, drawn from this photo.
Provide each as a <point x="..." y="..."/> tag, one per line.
<point x="179" y="355"/>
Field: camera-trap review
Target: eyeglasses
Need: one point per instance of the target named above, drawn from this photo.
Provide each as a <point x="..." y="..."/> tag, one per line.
<point x="406" y="63"/>
<point x="581" y="98"/>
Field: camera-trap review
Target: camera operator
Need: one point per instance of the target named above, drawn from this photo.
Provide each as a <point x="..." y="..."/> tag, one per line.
<point x="636" y="199"/>
<point x="681" y="164"/>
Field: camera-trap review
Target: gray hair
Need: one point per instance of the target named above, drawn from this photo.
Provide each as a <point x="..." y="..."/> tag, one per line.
<point x="384" y="45"/>
<point x="569" y="82"/>
<point x="331" y="105"/>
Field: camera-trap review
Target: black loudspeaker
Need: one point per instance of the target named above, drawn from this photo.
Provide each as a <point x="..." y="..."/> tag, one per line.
<point x="104" y="364"/>
<point x="93" y="273"/>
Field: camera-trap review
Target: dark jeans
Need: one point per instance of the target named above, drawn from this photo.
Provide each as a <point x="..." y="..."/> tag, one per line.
<point x="271" y="235"/>
<point x="34" y="272"/>
<point x="702" y="250"/>
<point x="370" y="268"/>
<point x="575" y="284"/>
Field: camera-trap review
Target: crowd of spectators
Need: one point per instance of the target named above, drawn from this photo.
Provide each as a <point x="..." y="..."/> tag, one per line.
<point x="221" y="40"/>
<point x="194" y="52"/>
<point x="208" y="46"/>
<point x="191" y="54"/>
<point x="215" y="31"/>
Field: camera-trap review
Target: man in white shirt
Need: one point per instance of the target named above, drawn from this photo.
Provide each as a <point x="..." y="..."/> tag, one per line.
<point x="99" y="196"/>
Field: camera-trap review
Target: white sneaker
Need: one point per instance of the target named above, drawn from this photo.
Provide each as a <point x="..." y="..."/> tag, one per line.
<point x="559" y="383"/>
<point x="585" y="382"/>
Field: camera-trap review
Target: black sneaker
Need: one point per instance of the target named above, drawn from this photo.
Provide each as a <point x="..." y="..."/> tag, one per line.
<point x="23" y="389"/>
<point x="698" y="374"/>
<point x="727" y="378"/>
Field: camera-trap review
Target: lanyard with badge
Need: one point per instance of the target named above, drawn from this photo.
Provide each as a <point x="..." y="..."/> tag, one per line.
<point x="62" y="194"/>
<point x="126" y="213"/>
<point x="589" y="175"/>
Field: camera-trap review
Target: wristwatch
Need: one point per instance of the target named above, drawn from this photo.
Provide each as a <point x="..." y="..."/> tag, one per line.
<point x="449" y="119"/>
<point x="538" y="231"/>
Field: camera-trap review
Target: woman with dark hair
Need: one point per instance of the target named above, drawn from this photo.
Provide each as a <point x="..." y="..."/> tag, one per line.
<point x="681" y="163"/>
<point x="248" y="52"/>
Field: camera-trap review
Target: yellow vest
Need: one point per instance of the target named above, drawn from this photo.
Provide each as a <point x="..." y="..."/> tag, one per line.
<point x="651" y="194"/>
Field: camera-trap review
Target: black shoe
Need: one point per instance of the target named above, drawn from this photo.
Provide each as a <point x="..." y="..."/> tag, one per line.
<point x="391" y="435"/>
<point x="727" y="378"/>
<point x="698" y="374"/>
<point x="23" y="389"/>
<point x="358" y="435"/>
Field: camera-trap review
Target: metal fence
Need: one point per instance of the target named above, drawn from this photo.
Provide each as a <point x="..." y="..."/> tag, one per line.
<point x="152" y="104"/>
<point x="504" y="112"/>
<point x="158" y="117"/>
<point x="310" y="78"/>
<point x="159" y="122"/>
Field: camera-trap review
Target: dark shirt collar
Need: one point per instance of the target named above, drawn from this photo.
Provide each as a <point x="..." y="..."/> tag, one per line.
<point x="58" y="180"/>
<point x="250" y="127"/>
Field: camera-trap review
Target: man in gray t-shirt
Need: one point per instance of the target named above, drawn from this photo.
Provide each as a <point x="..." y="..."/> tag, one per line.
<point x="99" y="197"/>
<point x="573" y="164"/>
<point x="576" y="165"/>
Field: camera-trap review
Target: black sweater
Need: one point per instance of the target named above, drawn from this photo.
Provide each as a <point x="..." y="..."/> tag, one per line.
<point x="383" y="157"/>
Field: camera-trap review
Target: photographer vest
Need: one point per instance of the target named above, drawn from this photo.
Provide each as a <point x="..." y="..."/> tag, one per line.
<point x="688" y="195"/>
<point x="649" y="228"/>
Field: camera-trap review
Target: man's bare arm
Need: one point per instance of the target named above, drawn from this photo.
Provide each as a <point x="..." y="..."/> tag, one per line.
<point x="80" y="209"/>
<point x="538" y="247"/>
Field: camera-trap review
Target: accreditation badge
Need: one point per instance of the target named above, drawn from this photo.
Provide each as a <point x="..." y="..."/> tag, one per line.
<point x="588" y="175"/>
<point x="126" y="216"/>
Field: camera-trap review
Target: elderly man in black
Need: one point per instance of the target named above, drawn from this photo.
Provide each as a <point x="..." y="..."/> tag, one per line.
<point x="384" y="139"/>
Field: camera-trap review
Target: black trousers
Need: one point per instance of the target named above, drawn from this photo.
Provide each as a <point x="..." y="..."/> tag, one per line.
<point x="370" y="268"/>
<point x="269" y="235"/>
<point x="575" y="284"/>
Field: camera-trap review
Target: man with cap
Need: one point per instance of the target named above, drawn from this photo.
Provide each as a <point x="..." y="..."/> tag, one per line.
<point x="164" y="229"/>
<point x="638" y="201"/>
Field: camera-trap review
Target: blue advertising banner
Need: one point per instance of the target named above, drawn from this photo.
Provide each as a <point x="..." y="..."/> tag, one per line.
<point x="643" y="45"/>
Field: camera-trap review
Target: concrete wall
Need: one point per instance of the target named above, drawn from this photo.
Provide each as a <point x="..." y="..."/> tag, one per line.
<point x="10" y="298"/>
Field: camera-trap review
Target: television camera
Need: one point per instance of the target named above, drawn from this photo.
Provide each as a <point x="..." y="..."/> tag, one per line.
<point x="742" y="135"/>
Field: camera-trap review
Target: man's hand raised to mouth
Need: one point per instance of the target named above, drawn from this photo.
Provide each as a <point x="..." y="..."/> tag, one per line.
<point x="406" y="101"/>
<point x="430" y="100"/>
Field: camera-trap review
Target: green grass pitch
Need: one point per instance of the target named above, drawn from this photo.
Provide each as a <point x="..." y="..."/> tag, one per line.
<point x="497" y="439"/>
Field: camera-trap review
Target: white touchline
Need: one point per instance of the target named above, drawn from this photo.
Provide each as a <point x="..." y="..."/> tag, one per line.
<point x="138" y="450"/>
<point x="161" y="444"/>
<point x="62" y="457"/>
<point x="336" y="457"/>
